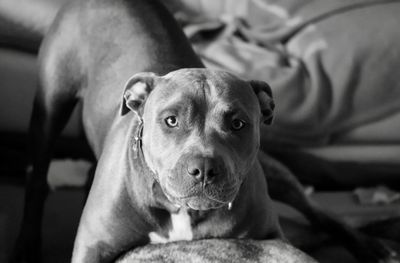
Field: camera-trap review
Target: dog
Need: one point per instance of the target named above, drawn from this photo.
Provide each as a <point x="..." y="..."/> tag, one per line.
<point x="177" y="144"/>
<point x="183" y="159"/>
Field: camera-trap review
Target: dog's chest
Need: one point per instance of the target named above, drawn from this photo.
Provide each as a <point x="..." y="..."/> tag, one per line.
<point x="180" y="229"/>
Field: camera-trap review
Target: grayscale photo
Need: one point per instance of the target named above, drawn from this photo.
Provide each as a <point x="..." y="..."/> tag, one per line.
<point x="214" y="131"/>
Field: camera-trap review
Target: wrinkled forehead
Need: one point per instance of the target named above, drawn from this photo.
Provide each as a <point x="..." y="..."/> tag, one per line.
<point x="206" y="86"/>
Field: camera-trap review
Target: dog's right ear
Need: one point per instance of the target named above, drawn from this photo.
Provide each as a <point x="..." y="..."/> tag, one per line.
<point x="136" y="91"/>
<point x="264" y="95"/>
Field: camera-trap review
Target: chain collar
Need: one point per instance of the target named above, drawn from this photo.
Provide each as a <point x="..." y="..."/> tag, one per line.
<point x="137" y="139"/>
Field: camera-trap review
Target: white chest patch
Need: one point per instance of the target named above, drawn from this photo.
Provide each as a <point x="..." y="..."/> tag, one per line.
<point x="181" y="229"/>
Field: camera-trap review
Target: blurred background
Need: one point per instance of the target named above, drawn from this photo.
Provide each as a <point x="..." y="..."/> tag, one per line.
<point x="333" y="68"/>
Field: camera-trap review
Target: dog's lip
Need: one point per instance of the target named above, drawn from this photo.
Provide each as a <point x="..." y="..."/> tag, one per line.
<point x="230" y="189"/>
<point x="214" y="206"/>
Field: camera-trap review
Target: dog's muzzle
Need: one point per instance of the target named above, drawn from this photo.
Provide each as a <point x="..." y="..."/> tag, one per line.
<point x="201" y="183"/>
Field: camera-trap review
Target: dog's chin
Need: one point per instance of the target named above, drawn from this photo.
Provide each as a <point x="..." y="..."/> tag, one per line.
<point x="201" y="201"/>
<point x="196" y="203"/>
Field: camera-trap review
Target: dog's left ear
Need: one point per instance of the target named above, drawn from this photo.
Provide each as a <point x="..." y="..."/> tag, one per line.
<point x="136" y="91"/>
<point x="264" y="95"/>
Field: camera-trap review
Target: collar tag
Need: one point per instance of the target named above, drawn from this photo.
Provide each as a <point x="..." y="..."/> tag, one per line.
<point x="137" y="139"/>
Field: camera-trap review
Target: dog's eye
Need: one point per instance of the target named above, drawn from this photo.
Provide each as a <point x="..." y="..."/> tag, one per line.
<point x="171" y="121"/>
<point x="237" y="124"/>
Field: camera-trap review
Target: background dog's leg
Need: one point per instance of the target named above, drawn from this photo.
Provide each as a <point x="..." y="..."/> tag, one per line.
<point x="283" y="186"/>
<point x="52" y="107"/>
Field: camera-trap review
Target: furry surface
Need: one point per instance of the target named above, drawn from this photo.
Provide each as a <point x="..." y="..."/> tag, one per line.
<point x="218" y="250"/>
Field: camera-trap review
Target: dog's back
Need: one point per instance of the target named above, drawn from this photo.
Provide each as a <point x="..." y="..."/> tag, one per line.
<point x="94" y="47"/>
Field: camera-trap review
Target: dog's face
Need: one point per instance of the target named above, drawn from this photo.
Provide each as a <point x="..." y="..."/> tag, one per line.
<point x="201" y="131"/>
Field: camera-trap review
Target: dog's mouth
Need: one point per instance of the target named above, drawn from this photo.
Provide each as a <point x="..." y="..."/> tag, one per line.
<point x="203" y="197"/>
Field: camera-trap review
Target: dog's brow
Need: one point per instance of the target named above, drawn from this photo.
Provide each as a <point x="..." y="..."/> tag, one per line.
<point x="232" y="108"/>
<point x="172" y="102"/>
<point x="170" y="110"/>
<point x="176" y="105"/>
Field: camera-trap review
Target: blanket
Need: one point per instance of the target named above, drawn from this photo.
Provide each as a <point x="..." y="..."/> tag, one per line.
<point x="332" y="65"/>
<point x="218" y="250"/>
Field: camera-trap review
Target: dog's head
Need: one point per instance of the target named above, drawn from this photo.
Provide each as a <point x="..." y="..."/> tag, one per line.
<point x="201" y="131"/>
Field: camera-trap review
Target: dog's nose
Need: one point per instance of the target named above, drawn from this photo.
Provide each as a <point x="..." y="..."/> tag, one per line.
<point x="203" y="169"/>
